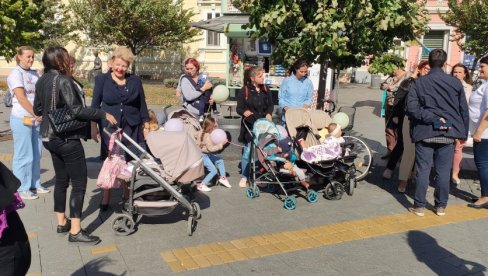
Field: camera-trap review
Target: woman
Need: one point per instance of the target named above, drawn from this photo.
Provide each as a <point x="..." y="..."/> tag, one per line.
<point x="408" y="148"/>
<point x="296" y="90"/>
<point x="25" y="125"/>
<point x="254" y="101"/>
<point x="121" y="94"/>
<point x="461" y="72"/>
<point x="478" y="124"/>
<point x="66" y="149"/>
<point x="195" y="89"/>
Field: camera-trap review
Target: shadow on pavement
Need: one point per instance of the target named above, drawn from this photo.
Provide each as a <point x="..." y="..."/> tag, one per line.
<point x="440" y="260"/>
<point x="94" y="268"/>
<point x="370" y="103"/>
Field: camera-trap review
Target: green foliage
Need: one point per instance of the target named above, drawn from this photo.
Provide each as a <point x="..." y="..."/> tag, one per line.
<point x="386" y="64"/>
<point x="136" y="24"/>
<point x="469" y="18"/>
<point x="339" y="33"/>
<point x="20" y="23"/>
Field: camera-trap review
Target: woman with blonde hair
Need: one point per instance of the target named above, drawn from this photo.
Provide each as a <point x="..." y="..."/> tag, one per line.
<point x="25" y="125"/>
<point x="121" y="94"/>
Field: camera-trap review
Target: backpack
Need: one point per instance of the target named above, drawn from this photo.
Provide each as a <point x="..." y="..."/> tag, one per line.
<point x="7" y="99"/>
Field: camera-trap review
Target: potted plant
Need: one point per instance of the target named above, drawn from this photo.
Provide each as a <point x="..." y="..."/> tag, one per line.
<point x="384" y="64"/>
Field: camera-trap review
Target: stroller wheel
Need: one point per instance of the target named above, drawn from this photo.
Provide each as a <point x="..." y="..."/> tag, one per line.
<point x="256" y="191"/>
<point x="312" y="196"/>
<point x="333" y="190"/>
<point x="351" y="184"/>
<point x="196" y="209"/>
<point x="123" y="225"/>
<point x="290" y="203"/>
<point x="192" y="223"/>
<point x="250" y="193"/>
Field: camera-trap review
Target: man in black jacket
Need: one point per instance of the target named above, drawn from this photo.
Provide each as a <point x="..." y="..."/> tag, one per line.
<point x="438" y="114"/>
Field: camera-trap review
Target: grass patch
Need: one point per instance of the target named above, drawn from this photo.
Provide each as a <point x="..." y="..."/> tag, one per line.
<point x="156" y="93"/>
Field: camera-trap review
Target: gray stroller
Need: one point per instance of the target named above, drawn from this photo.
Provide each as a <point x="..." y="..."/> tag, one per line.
<point x="156" y="188"/>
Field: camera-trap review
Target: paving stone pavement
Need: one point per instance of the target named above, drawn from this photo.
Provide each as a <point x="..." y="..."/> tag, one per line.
<point x="447" y="248"/>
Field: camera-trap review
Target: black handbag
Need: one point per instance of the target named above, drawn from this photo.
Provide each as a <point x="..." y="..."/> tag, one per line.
<point x="62" y="119"/>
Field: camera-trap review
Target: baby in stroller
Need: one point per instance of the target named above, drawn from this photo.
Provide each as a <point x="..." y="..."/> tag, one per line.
<point x="282" y="154"/>
<point x="330" y="147"/>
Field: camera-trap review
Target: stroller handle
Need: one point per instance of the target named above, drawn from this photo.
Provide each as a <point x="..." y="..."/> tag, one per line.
<point x="145" y="154"/>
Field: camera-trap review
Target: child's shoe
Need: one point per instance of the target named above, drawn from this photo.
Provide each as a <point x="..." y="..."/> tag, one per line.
<point x="203" y="188"/>
<point x="223" y="180"/>
<point x="243" y="183"/>
<point x="200" y="119"/>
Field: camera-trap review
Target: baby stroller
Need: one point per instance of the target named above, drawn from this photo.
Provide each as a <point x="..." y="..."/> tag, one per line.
<point x="338" y="174"/>
<point x="161" y="187"/>
<point x="266" y="171"/>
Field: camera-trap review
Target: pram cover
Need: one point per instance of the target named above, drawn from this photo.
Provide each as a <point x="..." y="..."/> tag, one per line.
<point x="190" y="122"/>
<point x="180" y="156"/>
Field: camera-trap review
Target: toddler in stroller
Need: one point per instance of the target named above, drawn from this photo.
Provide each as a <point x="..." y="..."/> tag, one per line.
<point x="331" y="145"/>
<point x="281" y="153"/>
<point x="328" y="162"/>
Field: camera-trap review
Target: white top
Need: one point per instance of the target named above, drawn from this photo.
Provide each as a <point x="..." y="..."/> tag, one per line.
<point x="478" y="104"/>
<point x="26" y="79"/>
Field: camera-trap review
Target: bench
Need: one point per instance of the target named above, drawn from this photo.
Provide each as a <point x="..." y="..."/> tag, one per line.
<point x="230" y="105"/>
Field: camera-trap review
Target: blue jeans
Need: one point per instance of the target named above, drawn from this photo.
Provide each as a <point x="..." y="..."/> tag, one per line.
<point x="26" y="163"/>
<point x="208" y="161"/>
<point x="480" y="150"/>
<point x="245" y="160"/>
<point x="441" y="155"/>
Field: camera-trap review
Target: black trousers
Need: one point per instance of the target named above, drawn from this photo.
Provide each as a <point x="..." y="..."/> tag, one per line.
<point x="15" y="252"/>
<point x="69" y="165"/>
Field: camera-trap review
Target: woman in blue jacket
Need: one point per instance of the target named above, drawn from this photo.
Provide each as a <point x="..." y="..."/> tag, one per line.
<point x="296" y="91"/>
<point x="122" y="95"/>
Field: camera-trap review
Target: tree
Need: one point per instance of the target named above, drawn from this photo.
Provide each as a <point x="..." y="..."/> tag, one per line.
<point x="54" y="28"/>
<point x="470" y="20"/>
<point x="386" y="64"/>
<point x="337" y="34"/>
<point x="20" y="24"/>
<point x="139" y="25"/>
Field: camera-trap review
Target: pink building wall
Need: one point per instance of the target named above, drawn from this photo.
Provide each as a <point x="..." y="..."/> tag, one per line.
<point x="455" y="54"/>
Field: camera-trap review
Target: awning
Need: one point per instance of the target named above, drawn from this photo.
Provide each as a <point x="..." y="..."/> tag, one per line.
<point x="230" y="24"/>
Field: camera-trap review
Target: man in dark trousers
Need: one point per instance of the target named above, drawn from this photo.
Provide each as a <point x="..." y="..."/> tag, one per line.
<point x="438" y="114"/>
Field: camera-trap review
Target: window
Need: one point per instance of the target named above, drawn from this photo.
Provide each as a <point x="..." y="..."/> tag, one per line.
<point x="432" y="40"/>
<point x="213" y="38"/>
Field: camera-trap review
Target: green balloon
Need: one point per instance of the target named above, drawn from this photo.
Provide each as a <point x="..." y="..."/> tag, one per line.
<point x="220" y="93"/>
<point x="341" y="119"/>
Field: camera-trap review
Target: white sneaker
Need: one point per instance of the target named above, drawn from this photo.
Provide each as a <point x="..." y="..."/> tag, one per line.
<point x="243" y="183"/>
<point x="200" y="119"/>
<point x="42" y="190"/>
<point x="202" y="187"/>
<point x="224" y="181"/>
<point x="28" y="195"/>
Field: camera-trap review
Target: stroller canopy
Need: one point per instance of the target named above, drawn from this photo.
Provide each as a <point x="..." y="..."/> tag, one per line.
<point x="179" y="154"/>
<point x="263" y="128"/>
<point x="191" y="124"/>
<point x="298" y="117"/>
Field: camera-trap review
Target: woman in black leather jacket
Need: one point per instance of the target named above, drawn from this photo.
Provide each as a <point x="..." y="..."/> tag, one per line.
<point x="66" y="150"/>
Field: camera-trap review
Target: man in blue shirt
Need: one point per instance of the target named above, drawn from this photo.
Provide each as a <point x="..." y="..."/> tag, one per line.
<point x="438" y="114"/>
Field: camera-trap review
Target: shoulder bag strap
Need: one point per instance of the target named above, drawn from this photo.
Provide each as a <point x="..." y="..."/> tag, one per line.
<point x="53" y="95"/>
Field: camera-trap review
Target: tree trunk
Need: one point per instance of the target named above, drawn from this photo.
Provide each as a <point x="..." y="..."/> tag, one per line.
<point x="322" y="85"/>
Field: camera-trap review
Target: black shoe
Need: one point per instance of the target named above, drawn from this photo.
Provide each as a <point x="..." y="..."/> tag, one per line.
<point x="386" y="156"/>
<point x="478" y="206"/>
<point x="83" y="238"/>
<point x="64" y="229"/>
<point x="103" y="207"/>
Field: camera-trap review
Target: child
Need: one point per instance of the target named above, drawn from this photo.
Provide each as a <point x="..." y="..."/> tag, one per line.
<point x="283" y="153"/>
<point x="209" y="158"/>
<point x="330" y="147"/>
